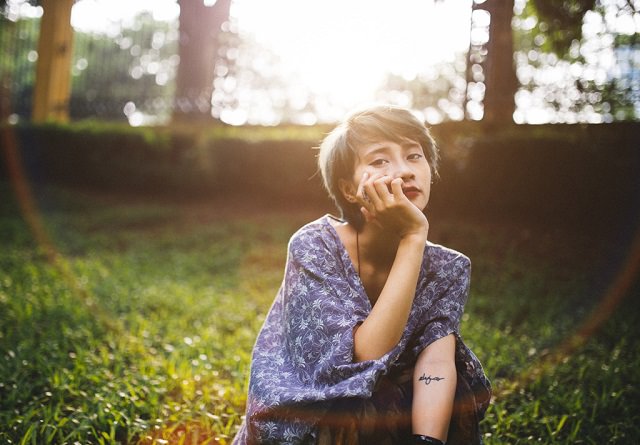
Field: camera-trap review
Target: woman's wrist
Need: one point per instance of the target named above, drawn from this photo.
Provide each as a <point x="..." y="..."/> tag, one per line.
<point x="418" y="236"/>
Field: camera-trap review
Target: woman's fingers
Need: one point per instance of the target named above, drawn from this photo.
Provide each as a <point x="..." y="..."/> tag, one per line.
<point x="368" y="216"/>
<point x="396" y="188"/>
<point x="377" y="193"/>
<point x="381" y="187"/>
<point x="367" y="193"/>
<point x="361" y="194"/>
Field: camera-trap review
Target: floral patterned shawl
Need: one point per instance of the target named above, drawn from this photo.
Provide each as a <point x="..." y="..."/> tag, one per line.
<point x="303" y="356"/>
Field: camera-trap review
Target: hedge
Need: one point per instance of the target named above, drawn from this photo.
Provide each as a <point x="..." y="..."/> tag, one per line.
<point x="562" y="172"/>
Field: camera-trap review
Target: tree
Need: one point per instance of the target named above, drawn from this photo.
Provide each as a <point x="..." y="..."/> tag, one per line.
<point x="499" y="72"/>
<point x="53" y="69"/>
<point x="560" y="21"/>
<point x="200" y="27"/>
<point x="52" y="86"/>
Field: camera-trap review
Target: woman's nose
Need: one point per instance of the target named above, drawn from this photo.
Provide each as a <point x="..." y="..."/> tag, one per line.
<point x="401" y="170"/>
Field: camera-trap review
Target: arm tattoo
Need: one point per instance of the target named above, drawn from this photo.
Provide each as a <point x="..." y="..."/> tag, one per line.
<point x="429" y="379"/>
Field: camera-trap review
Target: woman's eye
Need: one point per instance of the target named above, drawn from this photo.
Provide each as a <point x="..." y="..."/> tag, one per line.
<point x="415" y="156"/>
<point x="377" y="162"/>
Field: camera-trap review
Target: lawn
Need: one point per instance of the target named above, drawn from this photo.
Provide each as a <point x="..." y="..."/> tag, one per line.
<point x="135" y="323"/>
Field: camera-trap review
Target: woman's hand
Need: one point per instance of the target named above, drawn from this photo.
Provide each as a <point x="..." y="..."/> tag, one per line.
<point x="384" y="203"/>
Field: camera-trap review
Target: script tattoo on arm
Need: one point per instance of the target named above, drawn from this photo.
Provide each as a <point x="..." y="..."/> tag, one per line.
<point x="429" y="379"/>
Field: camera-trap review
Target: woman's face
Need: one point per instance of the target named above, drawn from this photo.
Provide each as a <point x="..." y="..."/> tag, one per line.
<point x="404" y="160"/>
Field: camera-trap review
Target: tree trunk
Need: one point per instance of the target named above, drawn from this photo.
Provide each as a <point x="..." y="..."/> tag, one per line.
<point x="53" y="70"/>
<point x="500" y="76"/>
<point x="198" y="44"/>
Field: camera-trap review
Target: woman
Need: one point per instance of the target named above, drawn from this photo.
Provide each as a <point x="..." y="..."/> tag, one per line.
<point x="361" y="344"/>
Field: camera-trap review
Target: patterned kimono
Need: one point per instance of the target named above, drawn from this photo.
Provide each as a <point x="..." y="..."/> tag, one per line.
<point x="305" y="387"/>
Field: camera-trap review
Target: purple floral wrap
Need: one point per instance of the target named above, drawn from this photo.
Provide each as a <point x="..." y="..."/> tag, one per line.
<point x="303" y="356"/>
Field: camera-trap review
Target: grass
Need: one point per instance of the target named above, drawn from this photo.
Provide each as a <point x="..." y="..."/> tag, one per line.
<point x="139" y="329"/>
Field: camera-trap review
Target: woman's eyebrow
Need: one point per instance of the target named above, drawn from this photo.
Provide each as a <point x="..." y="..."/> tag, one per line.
<point x="407" y="145"/>
<point x="383" y="147"/>
<point x="377" y="149"/>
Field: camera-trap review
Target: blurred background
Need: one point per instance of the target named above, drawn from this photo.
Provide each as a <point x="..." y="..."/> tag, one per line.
<point x="247" y="62"/>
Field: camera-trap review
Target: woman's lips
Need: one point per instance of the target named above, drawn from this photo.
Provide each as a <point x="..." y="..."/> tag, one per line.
<point x="411" y="192"/>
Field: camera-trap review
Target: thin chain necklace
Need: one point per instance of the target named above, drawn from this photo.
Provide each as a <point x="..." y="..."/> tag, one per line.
<point x="358" y="251"/>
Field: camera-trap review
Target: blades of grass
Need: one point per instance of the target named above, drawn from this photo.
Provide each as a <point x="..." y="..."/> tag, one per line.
<point x="561" y="423"/>
<point x="28" y="435"/>
<point x="574" y="431"/>
<point x="49" y="437"/>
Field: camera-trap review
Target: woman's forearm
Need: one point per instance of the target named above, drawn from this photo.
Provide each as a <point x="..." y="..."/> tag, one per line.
<point x="434" y="387"/>
<point x="384" y="326"/>
<point x="434" y="390"/>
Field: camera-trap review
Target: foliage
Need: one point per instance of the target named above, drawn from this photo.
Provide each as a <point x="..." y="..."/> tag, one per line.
<point x="130" y="75"/>
<point x="141" y="330"/>
<point x="17" y="66"/>
<point x="561" y="21"/>
<point x="577" y="165"/>
<point x="569" y="74"/>
<point x="136" y="68"/>
<point x="175" y="160"/>
<point x="126" y="75"/>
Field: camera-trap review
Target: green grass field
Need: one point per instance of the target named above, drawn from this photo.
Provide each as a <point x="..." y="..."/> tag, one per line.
<point x="135" y="325"/>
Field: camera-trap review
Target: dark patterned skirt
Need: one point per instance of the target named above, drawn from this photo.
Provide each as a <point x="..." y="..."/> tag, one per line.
<point x="385" y="418"/>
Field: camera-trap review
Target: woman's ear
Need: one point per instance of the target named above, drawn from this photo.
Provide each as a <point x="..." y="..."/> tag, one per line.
<point x="348" y="190"/>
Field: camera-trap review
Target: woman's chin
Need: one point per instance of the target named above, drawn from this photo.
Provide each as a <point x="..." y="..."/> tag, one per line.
<point x="419" y="202"/>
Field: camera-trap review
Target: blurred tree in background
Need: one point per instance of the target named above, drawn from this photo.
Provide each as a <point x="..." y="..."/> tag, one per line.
<point x="500" y="83"/>
<point x="579" y="59"/>
<point x="535" y="52"/>
<point x="200" y="25"/>
<point x="530" y="60"/>
<point x="558" y="26"/>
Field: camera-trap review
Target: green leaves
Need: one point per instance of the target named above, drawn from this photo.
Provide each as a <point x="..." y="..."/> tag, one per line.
<point x="561" y="21"/>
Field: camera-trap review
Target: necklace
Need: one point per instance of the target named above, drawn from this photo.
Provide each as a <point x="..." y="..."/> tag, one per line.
<point x="358" y="251"/>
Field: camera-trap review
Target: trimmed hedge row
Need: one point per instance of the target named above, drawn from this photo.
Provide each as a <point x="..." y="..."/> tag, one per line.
<point x="565" y="172"/>
<point x="170" y="162"/>
<point x="573" y="173"/>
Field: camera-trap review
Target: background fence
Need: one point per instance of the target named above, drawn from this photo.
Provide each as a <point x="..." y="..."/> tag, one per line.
<point x="124" y="74"/>
<point x="128" y="73"/>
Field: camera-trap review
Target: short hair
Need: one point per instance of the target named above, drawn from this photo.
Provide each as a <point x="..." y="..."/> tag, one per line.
<point x="338" y="151"/>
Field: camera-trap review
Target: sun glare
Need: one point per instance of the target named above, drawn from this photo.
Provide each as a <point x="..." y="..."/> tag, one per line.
<point x="340" y="51"/>
<point x="104" y="16"/>
<point x="343" y="50"/>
